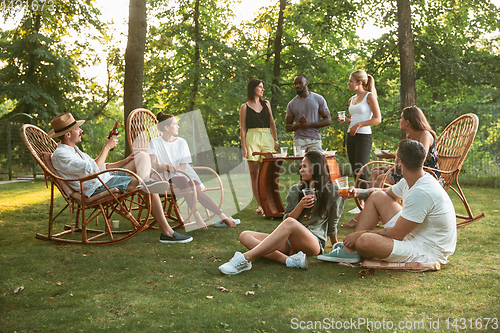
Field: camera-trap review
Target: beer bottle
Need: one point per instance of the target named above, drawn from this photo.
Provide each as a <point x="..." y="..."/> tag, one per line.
<point x="113" y="132"/>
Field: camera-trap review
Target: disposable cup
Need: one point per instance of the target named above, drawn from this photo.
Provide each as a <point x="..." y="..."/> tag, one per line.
<point x="308" y="192"/>
<point x="284" y="151"/>
<point x="341" y="116"/>
<point x="296" y="151"/>
<point x="343" y="183"/>
<point x="116" y="224"/>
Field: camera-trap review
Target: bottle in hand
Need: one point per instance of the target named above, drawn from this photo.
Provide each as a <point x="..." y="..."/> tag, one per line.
<point x="113" y="132"/>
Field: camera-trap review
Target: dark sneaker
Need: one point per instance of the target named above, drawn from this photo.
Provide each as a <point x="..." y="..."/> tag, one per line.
<point x="175" y="238"/>
<point x="236" y="265"/>
<point x="157" y="186"/>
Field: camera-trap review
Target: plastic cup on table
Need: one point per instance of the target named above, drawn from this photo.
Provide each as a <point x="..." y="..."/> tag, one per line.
<point x="341" y="116"/>
<point x="343" y="184"/>
<point x="296" y="151"/>
<point x="284" y="151"/>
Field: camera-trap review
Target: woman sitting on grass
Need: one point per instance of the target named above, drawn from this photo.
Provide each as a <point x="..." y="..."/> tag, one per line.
<point x="306" y="223"/>
<point x="168" y="155"/>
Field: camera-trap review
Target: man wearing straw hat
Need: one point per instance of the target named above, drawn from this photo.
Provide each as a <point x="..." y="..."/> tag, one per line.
<point x="70" y="162"/>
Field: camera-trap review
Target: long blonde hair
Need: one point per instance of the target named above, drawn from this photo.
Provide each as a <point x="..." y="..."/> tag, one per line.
<point x="366" y="79"/>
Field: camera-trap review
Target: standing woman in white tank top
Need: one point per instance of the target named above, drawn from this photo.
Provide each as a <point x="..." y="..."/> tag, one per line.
<point x="364" y="112"/>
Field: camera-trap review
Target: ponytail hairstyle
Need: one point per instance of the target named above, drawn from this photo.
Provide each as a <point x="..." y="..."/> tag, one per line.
<point x="164" y="120"/>
<point x="321" y="179"/>
<point x="366" y="79"/>
<point x="417" y="119"/>
<point x="252" y="84"/>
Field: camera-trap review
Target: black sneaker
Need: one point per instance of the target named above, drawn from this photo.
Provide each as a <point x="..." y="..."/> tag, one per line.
<point x="175" y="238"/>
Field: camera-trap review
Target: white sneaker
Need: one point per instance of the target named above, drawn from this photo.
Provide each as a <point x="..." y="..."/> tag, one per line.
<point x="298" y="260"/>
<point x="236" y="265"/>
<point x="355" y="211"/>
<point x="156" y="186"/>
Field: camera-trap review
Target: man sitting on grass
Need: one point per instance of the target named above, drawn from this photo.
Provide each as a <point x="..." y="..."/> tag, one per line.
<point x="71" y="163"/>
<point x="423" y="230"/>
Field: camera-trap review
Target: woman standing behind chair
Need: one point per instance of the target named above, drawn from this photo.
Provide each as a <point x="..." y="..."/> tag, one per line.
<point x="168" y="155"/>
<point x="364" y="112"/>
<point x="257" y="132"/>
<point x="307" y="222"/>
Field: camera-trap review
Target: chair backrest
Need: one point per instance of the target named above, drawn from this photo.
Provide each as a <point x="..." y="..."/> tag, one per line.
<point x="454" y="143"/>
<point x="41" y="146"/>
<point x="141" y="128"/>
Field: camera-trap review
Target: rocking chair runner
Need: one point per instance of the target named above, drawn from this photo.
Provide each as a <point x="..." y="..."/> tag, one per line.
<point x="452" y="146"/>
<point x="141" y="128"/>
<point x="133" y="207"/>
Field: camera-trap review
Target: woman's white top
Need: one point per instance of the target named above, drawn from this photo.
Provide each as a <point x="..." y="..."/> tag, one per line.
<point x="174" y="153"/>
<point x="361" y="112"/>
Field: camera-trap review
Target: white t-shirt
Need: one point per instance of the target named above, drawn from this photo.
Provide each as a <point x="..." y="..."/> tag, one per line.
<point x="361" y="112"/>
<point x="174" y="153"/>
<point x="427" y="203"/>
<point x="72" y="163"/>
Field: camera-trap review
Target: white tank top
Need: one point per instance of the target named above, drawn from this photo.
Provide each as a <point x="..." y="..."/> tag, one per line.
<point x="361" y="112"/>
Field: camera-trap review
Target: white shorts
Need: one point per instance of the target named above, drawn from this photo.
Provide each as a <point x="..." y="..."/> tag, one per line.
<point x="411" y="249"/>
<point x="307" y="144"/>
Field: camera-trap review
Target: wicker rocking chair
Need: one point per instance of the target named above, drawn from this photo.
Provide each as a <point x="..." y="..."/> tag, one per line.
<point x="132" y="208"/>
<point x="141" y="128"/>
<point x="452" y="146"/>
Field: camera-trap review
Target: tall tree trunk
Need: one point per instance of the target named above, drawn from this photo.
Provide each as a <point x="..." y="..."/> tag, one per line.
<point x="32" y="59"/>
<point x="196" y="80"/>
<point x="134" y="59"/>
<point x="407" y="57"/>
<point x="277" y="55"/>
<point x="197" y="58"/>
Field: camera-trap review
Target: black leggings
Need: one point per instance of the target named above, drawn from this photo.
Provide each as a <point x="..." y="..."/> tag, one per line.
<point x="204" y="199"/>
<point x="358" y="151"/>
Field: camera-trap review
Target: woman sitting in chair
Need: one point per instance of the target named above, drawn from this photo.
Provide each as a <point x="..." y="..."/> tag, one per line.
<point x="169" y="154"/>
<point x="413" y="121"/>
<point x="308" y="220"/>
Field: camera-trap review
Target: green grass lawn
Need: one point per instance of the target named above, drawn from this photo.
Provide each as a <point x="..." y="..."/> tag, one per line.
<point x="141" y="285"/>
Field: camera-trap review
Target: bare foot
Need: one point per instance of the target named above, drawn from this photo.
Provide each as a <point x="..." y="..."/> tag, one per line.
<point x="229" y="222"/>
<point x="259" y="210"/>
<point x="351" y="224"/>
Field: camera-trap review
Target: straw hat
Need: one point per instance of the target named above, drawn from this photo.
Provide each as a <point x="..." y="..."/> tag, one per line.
<point x="63" y="123"/>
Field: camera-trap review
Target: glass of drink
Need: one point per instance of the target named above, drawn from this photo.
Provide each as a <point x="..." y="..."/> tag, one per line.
<point x="341" y="116"/>
<point x="284" y="151"/>
<point x="343" y="183"/>
<point x="296" y="151"/>
<point x="307" y="212"/>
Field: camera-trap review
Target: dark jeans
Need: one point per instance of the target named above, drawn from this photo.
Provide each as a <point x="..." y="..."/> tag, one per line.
<point x="358" y="151"/>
